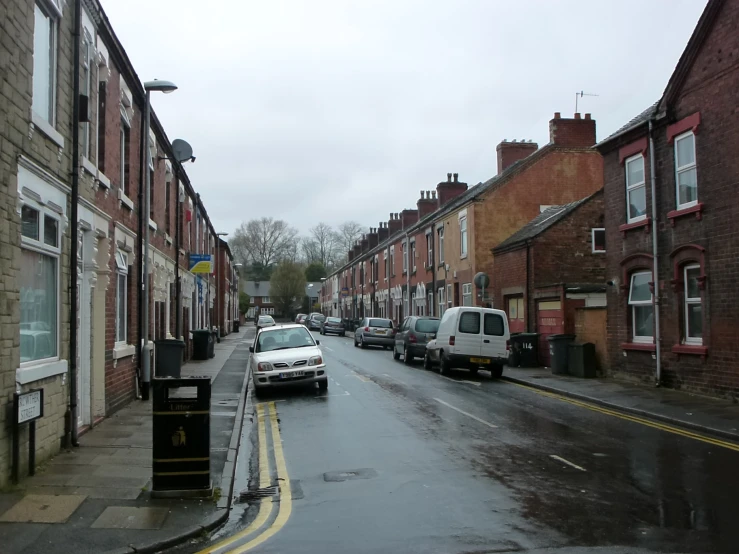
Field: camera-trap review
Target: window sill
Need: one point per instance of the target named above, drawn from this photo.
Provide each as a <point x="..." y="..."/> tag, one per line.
<point x="123" y="351"/>
<point x="152" y="225"/>
<point x="463" y="257"/>
<point x="125" y="200"/>
<point x="697" y="210"/>
<point x="642" y="346"/>
<point x="690" y="349"/>
<point x="103" y="180"/>
<point x="25" y="375"/>
<point x="646" y="223"/>
<point x="47" y="129"/>
<point x="88" y="166"/>
<point x="167" y="238"/>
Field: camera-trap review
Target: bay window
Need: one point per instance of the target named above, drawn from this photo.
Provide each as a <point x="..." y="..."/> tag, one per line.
<point x="686" y="178"/>
<point x="636" y="190"/>
<point x="642" y="308"/>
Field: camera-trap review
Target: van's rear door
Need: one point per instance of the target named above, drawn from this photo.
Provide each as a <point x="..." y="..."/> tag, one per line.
<point x="494" y="335"/>
<point x="468" y="339"/>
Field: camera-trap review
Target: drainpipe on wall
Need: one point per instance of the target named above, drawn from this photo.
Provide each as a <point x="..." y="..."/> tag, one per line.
<point x="177" y="240"/>
<point x="655" y="266"/>
<point x="143" y="220"/>
<point x="527" y="312"/>
<point x="407" y="254"/>
<point x="74" y="239"/>
<point x="433" y="270"/>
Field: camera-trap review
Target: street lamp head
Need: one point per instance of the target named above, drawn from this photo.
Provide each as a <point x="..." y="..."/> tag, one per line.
<point x="160" y="86"/>
<point x="222" y="234"/>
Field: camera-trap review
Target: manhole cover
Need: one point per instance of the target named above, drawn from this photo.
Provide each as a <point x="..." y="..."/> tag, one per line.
<point x="348" y="474"/>
<point x="253" y="496"/>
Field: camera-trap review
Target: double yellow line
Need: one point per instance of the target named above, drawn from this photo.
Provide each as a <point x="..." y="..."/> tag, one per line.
<point x="234" y="544"/>
<point x="636" y="419"/>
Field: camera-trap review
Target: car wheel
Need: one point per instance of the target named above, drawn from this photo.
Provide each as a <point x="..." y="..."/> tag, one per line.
<point x="407" y="358"/>
<point x="473" y="370"/>
<point x="427" y="361"/>
<point x="323" y="385"/>
<point x="496" y="372"/>
<point x="258" y="392"/>
<point x="396" y="356"/>
<point x="355" y="341"/>
<point x="361" y="342"/>
<point x="443" y="364"/>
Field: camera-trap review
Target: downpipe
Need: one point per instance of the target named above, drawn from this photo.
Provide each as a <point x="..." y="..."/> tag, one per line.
<point x="655" y="264"/>
<point x="74" y="224"/>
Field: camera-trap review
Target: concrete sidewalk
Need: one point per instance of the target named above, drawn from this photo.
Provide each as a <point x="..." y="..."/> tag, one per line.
<point x="96" y="498"/>
<point x="706" y="415"/>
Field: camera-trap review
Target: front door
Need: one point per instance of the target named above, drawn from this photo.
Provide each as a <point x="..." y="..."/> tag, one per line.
<point x="84" y="342"/>
<point x="550" y="321"/>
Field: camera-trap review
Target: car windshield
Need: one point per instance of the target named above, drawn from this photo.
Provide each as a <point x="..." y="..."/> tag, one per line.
<point x="282" y="339"/>
<point x="382" y="323"/>
<point x="319" y="317"/>
<point x="427" y="325"/>
<point x="265" y="320"/>
<point x="333" y="320"/>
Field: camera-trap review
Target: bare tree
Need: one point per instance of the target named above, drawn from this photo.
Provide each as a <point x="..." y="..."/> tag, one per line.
<point x="348" y="233"/>
<point x="264" y="241"/>
<point x="322" y="245"/>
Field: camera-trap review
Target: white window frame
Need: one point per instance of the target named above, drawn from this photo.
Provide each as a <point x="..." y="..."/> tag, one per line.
<point x="387" y="267"/>
<point x="122" y="183"/>
<point x="121" y="260"/>
<point x="463" y="246"/>
<point x="450" y="296"/>
<point x="51" y="10"/>
<point x="634" y="303"/>
<point x="405" y="303"/>
<point x="88" y="62"/>
<point x="431" y="302"/>
<point x="413" y="303"/>
<point x="467" y="294"/>
<point x="632" y="187"/>
<point x="392" y="261"/>
<point x="690" y="301"/>
<point x="441" y="244"/>
<point x="39" y="246"/>
<point x="429" y="250"/>
<point x="413" y="252"/>
<point x="592" y="239"/>
<point x="442" y="303"/>
<point x="266" y="300"/>
<point x="405" y="256"/>
<point x="682" y="169"/>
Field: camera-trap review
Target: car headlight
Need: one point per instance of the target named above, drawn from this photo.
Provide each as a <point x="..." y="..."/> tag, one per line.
<point x="315" y="360"/>
<point x="264" y="366"/>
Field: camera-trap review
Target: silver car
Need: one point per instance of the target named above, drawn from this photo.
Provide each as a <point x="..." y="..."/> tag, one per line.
<point x="286" y="355"/>
<point x="378" y="331"/>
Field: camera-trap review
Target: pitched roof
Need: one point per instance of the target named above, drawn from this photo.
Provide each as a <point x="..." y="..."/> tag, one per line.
<point x="542" y="222"/>
<point x="313" y="290"/>
<point x="256" y="288"/>
<point x="633" y="124"/>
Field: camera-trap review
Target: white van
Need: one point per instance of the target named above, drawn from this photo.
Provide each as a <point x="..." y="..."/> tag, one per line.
<point x="473" y="338"/>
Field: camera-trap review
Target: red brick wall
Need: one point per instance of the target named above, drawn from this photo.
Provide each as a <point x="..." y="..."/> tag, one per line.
<point x="509" y="271"/>
<point x="709" y="89"/>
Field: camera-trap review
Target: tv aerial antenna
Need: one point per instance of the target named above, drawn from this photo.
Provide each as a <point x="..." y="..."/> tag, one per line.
<point x="580" y="95"/>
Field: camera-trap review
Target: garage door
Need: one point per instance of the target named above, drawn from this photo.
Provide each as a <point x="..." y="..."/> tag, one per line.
<point x="550" y="320"/>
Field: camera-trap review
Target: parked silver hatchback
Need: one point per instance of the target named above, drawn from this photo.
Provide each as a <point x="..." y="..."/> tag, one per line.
<point x="377" y="331"/>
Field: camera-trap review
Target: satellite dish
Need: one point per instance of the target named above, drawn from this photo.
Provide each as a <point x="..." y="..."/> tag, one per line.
<point x="182" y="150"/>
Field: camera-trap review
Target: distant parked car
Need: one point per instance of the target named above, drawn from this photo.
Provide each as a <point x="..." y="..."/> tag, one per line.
<point x="265" y="321"/>
<point x="297" y="317"/>
<point x="314" y="321"/>
<point x="412" y="336"/>
<point x="302" y="319"/>
<point x="470" y="337"/>
<point x="333" y="325"/>
<point x="375" y="331"/>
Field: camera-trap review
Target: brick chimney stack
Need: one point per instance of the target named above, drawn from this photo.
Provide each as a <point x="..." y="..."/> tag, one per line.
<point x="372" y="238"/>
<point x="394" y="224"/>
<point x="357" y="249"/>
<point x="573" y="133"/>
<point x="509" y="152"/>
<point x="426" y="204"/>
<point x="408" y="218"/>
<point x="364" y="244"/>
<point x="450" y="189"/>
<point x="382" y="232"/>
<point x="350" y="255"/>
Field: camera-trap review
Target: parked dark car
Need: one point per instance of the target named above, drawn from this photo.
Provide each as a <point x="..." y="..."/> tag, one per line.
<point x="314" y="321"/>
<point x="412" y="337"/>
<point x="333" y="325"/>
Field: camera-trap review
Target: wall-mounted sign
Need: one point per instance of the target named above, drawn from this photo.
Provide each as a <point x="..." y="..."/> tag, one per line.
<point x="201" y="263"/>
<point x="345" y="291"/>
<point x="30" y="406"/>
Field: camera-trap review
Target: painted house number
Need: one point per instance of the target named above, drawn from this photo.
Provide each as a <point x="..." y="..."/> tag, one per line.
<point x="29" y="406"/>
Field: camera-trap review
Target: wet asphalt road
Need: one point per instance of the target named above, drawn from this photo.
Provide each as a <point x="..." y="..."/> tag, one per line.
<point x="468" y="464"/>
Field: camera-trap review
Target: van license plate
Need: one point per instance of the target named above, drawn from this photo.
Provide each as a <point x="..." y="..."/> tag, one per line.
<point x="480" y="360"/>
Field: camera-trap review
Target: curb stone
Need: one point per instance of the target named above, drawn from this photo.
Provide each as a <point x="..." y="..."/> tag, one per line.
<point x="719" y="433"/>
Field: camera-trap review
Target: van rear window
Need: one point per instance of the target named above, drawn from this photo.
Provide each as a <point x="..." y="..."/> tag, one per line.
<point x="494" y="325"/>
<point x="469" y="322"/>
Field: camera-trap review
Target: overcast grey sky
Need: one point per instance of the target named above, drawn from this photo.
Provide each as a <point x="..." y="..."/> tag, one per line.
<point x="338" y="110"/>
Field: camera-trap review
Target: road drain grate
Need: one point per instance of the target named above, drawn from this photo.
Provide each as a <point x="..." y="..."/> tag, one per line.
<point x="252" y="496"/>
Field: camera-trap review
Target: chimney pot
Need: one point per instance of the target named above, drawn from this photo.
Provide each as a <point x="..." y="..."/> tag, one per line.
<point x="587" y="116"/>
<point x="422" y="196"/>
<point x="557" y="115"/>
<point x="448" y="177"/>
<point x="577" y="116"/>
<point x="456" y="176"/>
<point x="514" y="140"/>
<point x="433" y="195"/>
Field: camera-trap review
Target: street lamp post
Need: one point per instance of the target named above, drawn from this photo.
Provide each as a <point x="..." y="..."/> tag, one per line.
<point x="165" y="87"/>
<point x="219" y="292"/>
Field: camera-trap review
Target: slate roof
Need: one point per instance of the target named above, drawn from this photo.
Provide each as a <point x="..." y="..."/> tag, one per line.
<point x="542" y="222"/>
<point x="635" y="122"/>
<point x="256" y="288"/>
